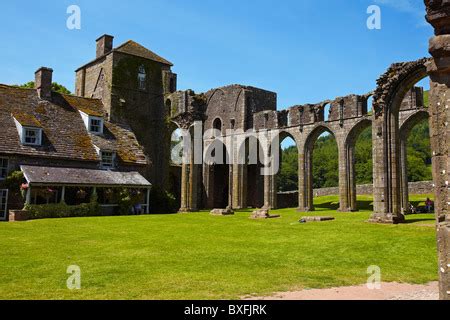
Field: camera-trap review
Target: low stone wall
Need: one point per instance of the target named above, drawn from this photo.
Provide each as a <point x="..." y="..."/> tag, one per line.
<point x="290" y="199"/>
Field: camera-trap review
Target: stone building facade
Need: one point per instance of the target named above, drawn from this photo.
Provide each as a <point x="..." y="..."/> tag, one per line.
<point x="132" y="82"/>
<point x="136" y="95"/>
<point x="242" y="108"/>
<point x="43" y="128"/>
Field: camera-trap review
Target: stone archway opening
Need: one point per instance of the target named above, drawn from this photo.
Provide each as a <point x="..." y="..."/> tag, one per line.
<point x="415" y="146"/>
<point x="287" y="177"/>
<point x="252" y="178"/>
<point x="321" y="166"/>
<point x="359" y="164"/>
<point x="396" y="90"/>
<point x="219" y="175"/>
<point x="175" y="167"/>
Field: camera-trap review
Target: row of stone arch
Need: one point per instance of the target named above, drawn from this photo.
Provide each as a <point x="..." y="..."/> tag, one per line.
<point x="389" y="134"/>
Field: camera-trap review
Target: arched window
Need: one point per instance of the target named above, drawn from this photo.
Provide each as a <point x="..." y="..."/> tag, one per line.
<point x="169" y="107"/>
<point x="142" y="75"/>
<point x="217" y="125"/>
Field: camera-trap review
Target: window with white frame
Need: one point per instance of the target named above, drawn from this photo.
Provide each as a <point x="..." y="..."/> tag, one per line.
<point x="32" y="136"/>
<point x="95" y="125"/>
<point x="108" y="159"/>
<point x="3" y="168"/>
<point x="142" y="76"/>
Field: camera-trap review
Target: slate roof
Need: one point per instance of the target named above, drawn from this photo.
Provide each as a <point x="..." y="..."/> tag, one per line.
<point x="135" y="49"/>
<point x="64" y="133"/>
<point x="51" y="176"/>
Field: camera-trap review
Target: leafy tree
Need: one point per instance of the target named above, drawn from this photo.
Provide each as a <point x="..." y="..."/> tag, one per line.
<point x="326" y="166"/>
<point x="287" y="178"/>
<point x="55" y="87"/>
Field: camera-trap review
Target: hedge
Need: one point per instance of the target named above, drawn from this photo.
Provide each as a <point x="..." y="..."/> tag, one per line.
<point x="62" y="210"/>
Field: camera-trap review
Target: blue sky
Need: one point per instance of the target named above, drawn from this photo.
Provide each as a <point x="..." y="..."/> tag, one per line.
<point x="305" y="50"/>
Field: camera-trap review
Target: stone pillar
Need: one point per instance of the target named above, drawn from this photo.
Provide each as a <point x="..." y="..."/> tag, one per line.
<point x="273" y="192"/>
<point x="344" y="171"/>
<point x="238" y="193"/>
<point x="386" y="163"/>
<point x="208" y="182"/>
<point x="193" y="186"/>
<point x="230" y="186"/>
<point x="438" y="15"/>
<point x="309" y="186"/>
<point x="404" y="175"/>
<point x="267" y="183"/>
<point x="302" y="203"/>
<point x="351" y="179"/>
<point x="243" y="186"/>
<point x="185" y="188"/>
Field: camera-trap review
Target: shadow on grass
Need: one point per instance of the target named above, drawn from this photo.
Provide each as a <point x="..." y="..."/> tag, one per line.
<point x="327" y="206"/>
<point x="409" y="221"/>
<point x="333" y="206"/>
<point x="365" y="205"/>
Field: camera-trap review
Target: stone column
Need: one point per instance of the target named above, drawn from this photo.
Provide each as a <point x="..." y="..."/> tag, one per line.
<point x="267" y="183"/>
<point x="193" y="186"/>
<point x="238" y="193"/>
<point x="208" y="182"/>
<point x="230" y="186"/>
<point x="386" y="164"/>
<point x="302" y="203"/>
<point x="273" y="191"/>
<point x="404" y="176"/>
<point x="344" y="171"/>
<point x="438" y="15"/>
<point x="351" y="179"/>
<point x="309" y="186"/>
<point x="185" y="188"/>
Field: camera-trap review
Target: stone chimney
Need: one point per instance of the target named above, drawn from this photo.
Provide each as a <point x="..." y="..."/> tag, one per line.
<point x="104" y="45"/>
<point x="43" y="82"/>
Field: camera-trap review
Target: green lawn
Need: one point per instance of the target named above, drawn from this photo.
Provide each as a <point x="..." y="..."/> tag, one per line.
<point x="198" y="256"/>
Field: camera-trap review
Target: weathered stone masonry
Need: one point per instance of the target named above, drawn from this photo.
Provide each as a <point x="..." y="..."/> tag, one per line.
<point x="438" y="15"/>
<point x="239" y="107"/>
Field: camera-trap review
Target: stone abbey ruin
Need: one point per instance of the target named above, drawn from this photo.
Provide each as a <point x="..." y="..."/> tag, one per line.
<point x="130" y="93"/>
<point x="397" y="107"/>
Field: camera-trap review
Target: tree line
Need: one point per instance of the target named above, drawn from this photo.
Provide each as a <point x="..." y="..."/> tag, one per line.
<point x="326" y="160"/>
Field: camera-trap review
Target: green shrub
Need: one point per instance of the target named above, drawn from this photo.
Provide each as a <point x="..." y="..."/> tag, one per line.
<point x="62" y="210"/>
<point x="162" y="201"/>
<point x="13" y="181"/>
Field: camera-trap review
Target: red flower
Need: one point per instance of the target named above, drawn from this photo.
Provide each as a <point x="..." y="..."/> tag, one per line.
<point x="24" y="186"/>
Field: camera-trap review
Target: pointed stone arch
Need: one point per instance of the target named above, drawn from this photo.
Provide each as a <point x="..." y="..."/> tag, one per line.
<point x="392" y="88"/>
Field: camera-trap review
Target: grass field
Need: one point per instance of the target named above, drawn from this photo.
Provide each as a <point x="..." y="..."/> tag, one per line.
<point x="198" y="256"/>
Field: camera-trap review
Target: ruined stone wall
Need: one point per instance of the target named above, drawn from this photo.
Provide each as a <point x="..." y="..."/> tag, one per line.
<point x="290" y="199"/>
<point x="235" y="106"/>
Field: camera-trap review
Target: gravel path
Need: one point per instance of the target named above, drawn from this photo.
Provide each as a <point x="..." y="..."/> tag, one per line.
<point x="388" y="291"/>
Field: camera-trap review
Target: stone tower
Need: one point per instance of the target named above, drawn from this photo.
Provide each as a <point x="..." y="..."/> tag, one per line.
<point x="132" y="82"/>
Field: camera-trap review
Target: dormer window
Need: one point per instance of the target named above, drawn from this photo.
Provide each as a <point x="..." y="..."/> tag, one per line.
<point x="94" y="124"/>
<point x="108" y="159"/>
<point x="29" y="129"/>
<point x="142" y="76"/>
<point x="32" y="136"/>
